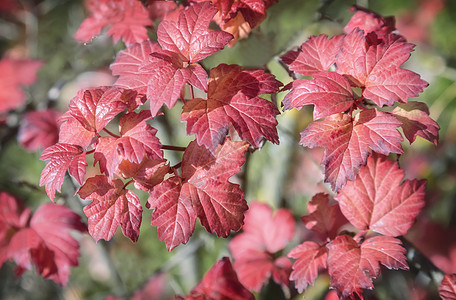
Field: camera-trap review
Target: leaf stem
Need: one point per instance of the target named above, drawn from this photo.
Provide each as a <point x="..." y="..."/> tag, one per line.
<point x="174" y="148"/>
<point x="177" y="166"/>
<point x="110" y="133"/>
<point x="126" y="184"/>
<point x="191" y="92"/>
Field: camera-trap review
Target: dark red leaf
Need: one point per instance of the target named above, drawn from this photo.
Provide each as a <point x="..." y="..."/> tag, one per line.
<point x="265" y="233"/>
<point x="447" y="288"/>
<point x="353" y="267"/>
<point x="377" y="200"/>
<point x="112" y="205"/>
<point x="62" y="157"/>
<point x="311" y="257"/>
<point x="416" y="121"/>
<point x="330" y="92"/>
<point x="127" y="20"/>
<point x="315" y="55"/>
<point x="39" y="129"/>
<point x="14" y="74"/>
<point x="232" y="100"/>
<point x="221" y="282"/>
<point x="347" y="142"/>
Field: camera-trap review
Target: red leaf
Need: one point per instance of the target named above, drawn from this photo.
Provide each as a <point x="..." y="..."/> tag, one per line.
<point x="127" y="19"/>
<point x="47" y="243"/>
<point x="62" y="157"/>
<point x="374" y="66"/>
<point x="232" y="100"/>
<point x="13" y="217"/>
<point x="112" y="205"/>
<point x="253" y="250"/>
<point x="146" y="174"/>
<point x="221" y="282"/>
<point x="13" y="74"/>
<point x="174" y="215"/>
<point x="330" y="92"/>
<point x="322" y="217"/>
<point x="377" y="200"/>
<point x="368" y="21"/>
<point x="315" y="55"/>
<point x="127" y="66"/>
<point x="347" y="142"/>
<point x="447" y="288"/>
<point x="72" y="132"/>
<point x="352" y="267"/>
<point x="190" y="37"/>
<point x="39" y="129"/>
<point x="137" y="141"/>
<point x="95" y="108"/>
<point x="217" y="202"/>
<point x="311" y="258"/>
<point x="416" y="121"/>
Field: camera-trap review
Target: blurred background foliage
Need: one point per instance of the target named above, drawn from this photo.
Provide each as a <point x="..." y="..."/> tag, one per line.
<point x="284" y="175"/>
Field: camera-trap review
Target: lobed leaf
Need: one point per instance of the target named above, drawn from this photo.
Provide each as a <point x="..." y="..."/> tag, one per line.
<point x="347" y="142"/>
<point x="352" y="267"/>
<point x="377" y="200"/>
<point x="112" y="206"/>
<point x="311" y="258"/>
<point x="330" y="92"/>
<point x="62" y="157"/>
<point x="315" y="55"/>
<point x="416" y="121"/>
<point x="447" y="288"/>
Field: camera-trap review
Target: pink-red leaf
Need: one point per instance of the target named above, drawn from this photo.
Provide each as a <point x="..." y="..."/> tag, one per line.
<point x="323" y="218"/>
<point x="447" y="288"/>
<point x="146" y="174"/>
<point x="265" y="233"/>
<point x="127" y="65"/>
<point x="95" y="108"/>
<point x="62" y="157"/>
<point x="416" y="121"/>
<point x="347" y="142"/>
<point x="315" y="55"/>
<point x="127" y="20"/>
<point x="217" y="202"/>
<point x="15" y="73"/>
<point x="353" y="267"/>
<point x="374" y="64"/>
<point x="368" y="21"/>
<point x="330" y="92"/>
<point x="112" y="205"/>
<point x="311" y="257"/>
<point x="377" y="200"/>
<point x="46" y="243"/>
<point x="221" y="282"/>
<point x="73" y="132"/>
<point x="232" y="100"/>
<point x="174" y="215"/>
<point x="39" y="129"/>
<point x="137" y="141"/>
<point x="190" y="37"/>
